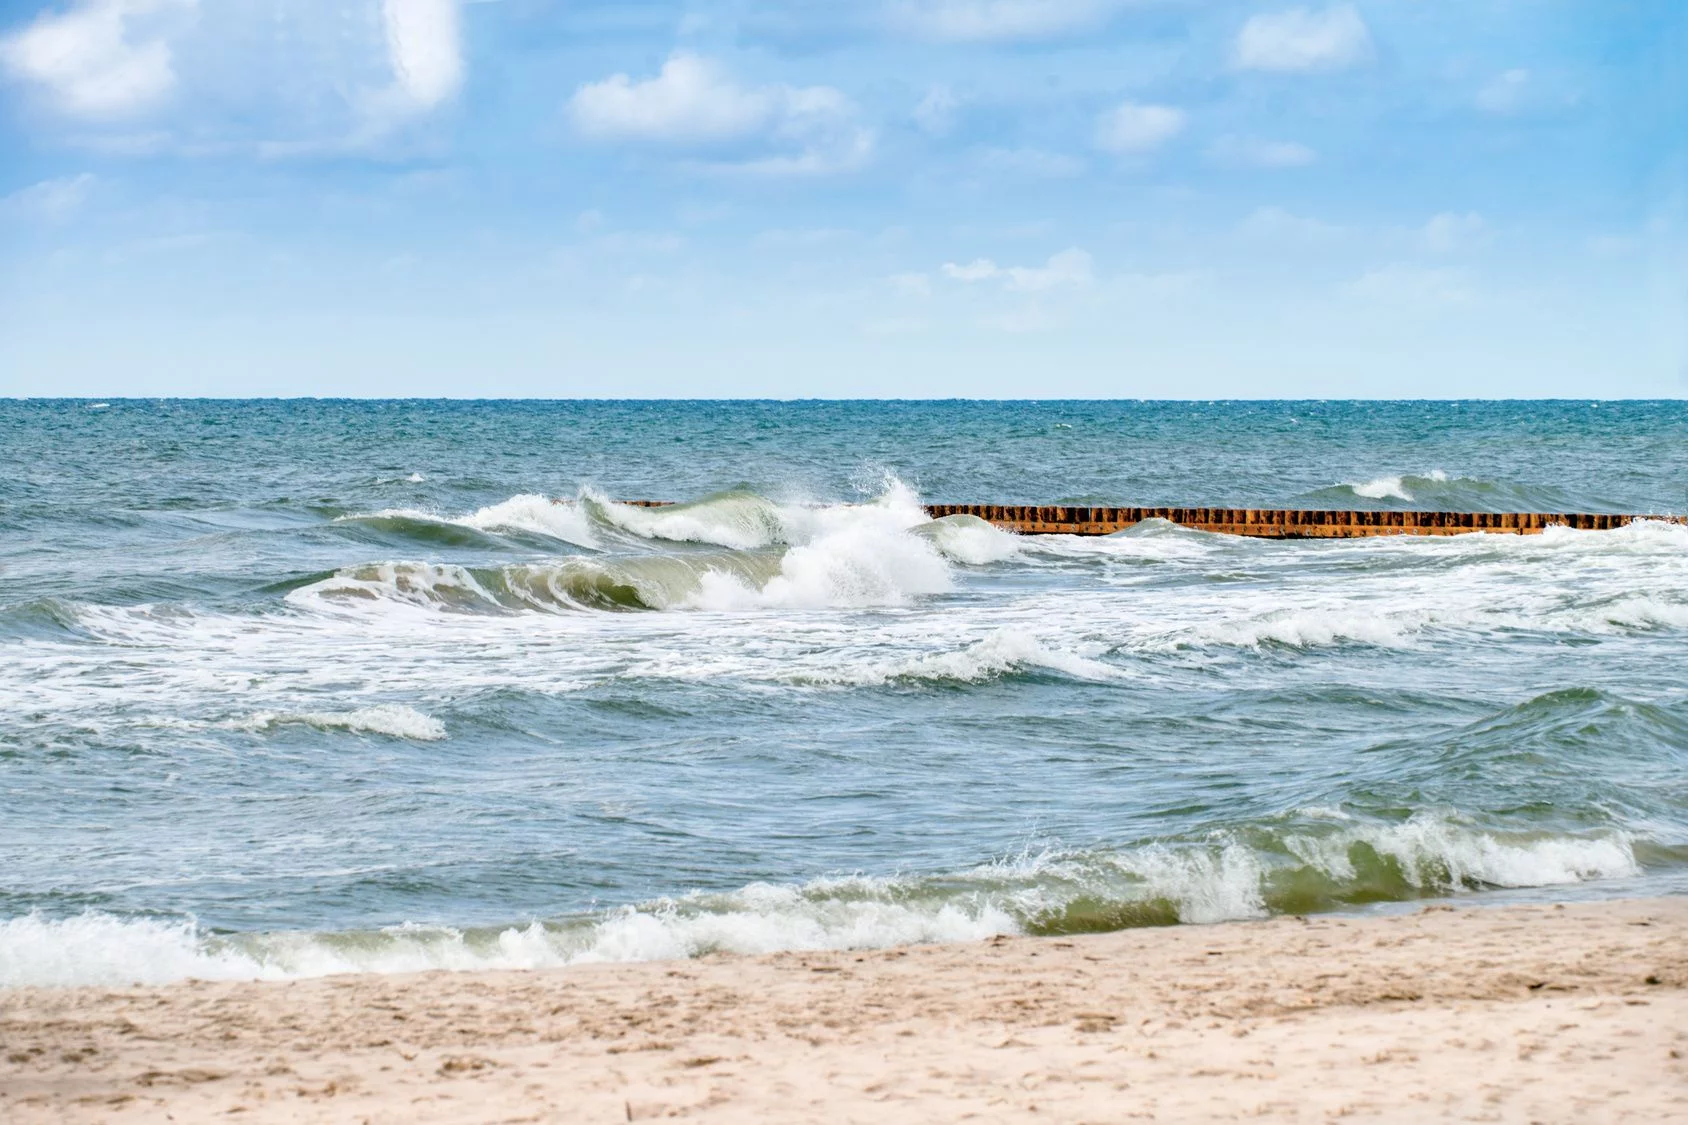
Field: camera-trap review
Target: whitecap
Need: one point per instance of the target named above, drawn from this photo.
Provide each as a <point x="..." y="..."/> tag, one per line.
<point x="392" y="719"/>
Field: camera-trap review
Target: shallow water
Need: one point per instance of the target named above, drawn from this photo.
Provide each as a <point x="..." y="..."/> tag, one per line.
<point x="309" y="686"/>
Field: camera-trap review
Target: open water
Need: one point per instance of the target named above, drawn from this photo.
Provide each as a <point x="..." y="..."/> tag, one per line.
<point x="301" y="687"/>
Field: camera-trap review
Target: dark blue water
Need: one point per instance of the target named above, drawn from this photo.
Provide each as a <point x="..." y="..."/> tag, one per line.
<point x="291" y="687"/>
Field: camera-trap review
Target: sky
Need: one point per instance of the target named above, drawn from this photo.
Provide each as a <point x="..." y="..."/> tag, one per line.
<point x="875" y="198"/>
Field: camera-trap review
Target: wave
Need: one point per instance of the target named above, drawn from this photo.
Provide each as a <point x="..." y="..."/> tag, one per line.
<point x="1314" y="859"/>
<point x="741" y="520"/>
<point x="42" y="617"/>
<point x="528" y="512"/>
<point x="881" y="553"/>
<point x="656" y="582"/>
<point x="1439" y="490"/>
<point x="392" y="719"/>
<point x="1003" y="653"/>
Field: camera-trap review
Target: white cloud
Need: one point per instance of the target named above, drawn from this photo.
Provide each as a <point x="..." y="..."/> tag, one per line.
<point x="1252" y="152"/>
<point x="824" y="153"/>
<point x="1130" y="127"/>
<point x="1031" y="162"/>
<point x="101" y="58"/>
<point x="425" y="49"/>
<point x="1450" y="232"/>
<point x="1399" y="285"/>
<point x="1302" y="39"/>
<point x="996" y="21"/>
<point x="1070" y="269"/>
<point x="1277" y="224"/>
<point x="800" y="238"/>
<point x="694" y="103"/>
<point x="1613" y="245"/>
<point x="910" y="284"/>
<point x="936" y="112"/>
<point x="691" y="101"/>
<point x="1506" y="93"/>
<point x="50" y="202"/>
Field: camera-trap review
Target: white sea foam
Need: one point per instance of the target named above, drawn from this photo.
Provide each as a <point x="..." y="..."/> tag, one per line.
<point x="742" y="521"/>
<point x="762" y="918"/>
<point x="970" y="540"/>
<point x="528" y="512"/>
<point x="1436" y="853"/>
<point x="1220" y="880"/>
<point x="1394" y="487"/>
<point x="1207" y="885"/>
<point x="422" y="585"/>
<point x="1000" y="653"/>
<point x="393" y="719"/>
<point x="1310" y="627"/>
<point x="94" y="949"/>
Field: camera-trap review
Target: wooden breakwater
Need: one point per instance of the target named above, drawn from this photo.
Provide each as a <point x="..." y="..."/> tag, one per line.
<point x="1281" y="523"/>
<point x="1270" y="523"/>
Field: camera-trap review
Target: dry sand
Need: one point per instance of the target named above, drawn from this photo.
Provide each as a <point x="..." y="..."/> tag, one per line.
<point x="1537" y="1013"/>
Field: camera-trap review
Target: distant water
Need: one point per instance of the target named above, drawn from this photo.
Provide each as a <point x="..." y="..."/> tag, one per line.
<point x="299" y="687"/>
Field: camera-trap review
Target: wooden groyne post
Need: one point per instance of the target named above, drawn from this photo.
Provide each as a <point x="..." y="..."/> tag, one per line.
<point x="1281" y="523"/>
<point x="1269" y="523"/>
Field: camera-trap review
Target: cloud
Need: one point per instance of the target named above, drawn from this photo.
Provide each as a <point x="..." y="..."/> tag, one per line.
<point x="1506" y="93"/>
<point x="1031" y="162"/>
<point x="49" y="202"/>
<point x="996" y="21"/>
<point x="1130" y="127"/>
<point x="936" y="112"/>
<point x="1252" y="152"/>
<point x="1449" y="232"/>
<point x="1302" y="39"/>
<point x="1277" y="224"/>
<point x="1399" y="285"/>
<point x="1070" y="269"/>
<point x="101" y="58"/>
<point x="425" y="49"/>
<point x="693" y="103"/>
<point x="910" y="284"/>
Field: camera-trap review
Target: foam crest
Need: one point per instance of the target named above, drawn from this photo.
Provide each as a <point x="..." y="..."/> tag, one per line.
<point x="526" y="513"/>
<point x="535" y="513"/>
<point x="1204" y="885"/>
<point x="970" y="540"/>
<point x="1002" y="653"/>
<point x="1310" y="627"/>
<point x="740" y="520"/>
<point x="1328" y="862"/>
<point x="1438" y="854"/>
<point x="392" y="719"/>
<point x="98" y="949"/>
<point x="1396" y="487"/>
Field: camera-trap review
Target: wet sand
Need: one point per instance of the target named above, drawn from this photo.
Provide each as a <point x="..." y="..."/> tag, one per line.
<point x="1531" y="1013"/>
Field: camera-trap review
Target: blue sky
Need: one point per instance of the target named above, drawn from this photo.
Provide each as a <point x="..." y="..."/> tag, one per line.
<point x="992" y="198"/>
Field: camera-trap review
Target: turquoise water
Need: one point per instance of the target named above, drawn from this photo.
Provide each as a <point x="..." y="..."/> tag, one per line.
<point x="298" y="687"/>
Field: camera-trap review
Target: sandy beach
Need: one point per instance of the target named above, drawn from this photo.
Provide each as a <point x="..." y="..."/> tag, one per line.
<point x="1522" y="1013"/>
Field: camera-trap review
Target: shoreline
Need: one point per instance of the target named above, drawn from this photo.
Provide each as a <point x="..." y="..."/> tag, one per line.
<point x="1531" y="1012"/>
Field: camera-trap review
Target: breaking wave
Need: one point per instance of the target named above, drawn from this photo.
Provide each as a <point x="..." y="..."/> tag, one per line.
<point x="1001" y="654"/>
<point x="1314" y="859"/>
<point x="529" y="513"/>
<point x="392" y="719"/>
<point x="1437" y="489"/>
<point x="733" y="550"/>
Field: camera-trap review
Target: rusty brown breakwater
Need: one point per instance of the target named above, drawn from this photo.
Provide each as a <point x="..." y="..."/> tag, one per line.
<point x="1281" y="523"/>
<point x="1270" y="523"/>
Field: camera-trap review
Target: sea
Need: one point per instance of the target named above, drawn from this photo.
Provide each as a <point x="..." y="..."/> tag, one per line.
<point x="290" y="688"/>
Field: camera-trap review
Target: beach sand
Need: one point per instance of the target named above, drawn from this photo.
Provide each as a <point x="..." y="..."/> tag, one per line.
<point x="1572" y="1013"/>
